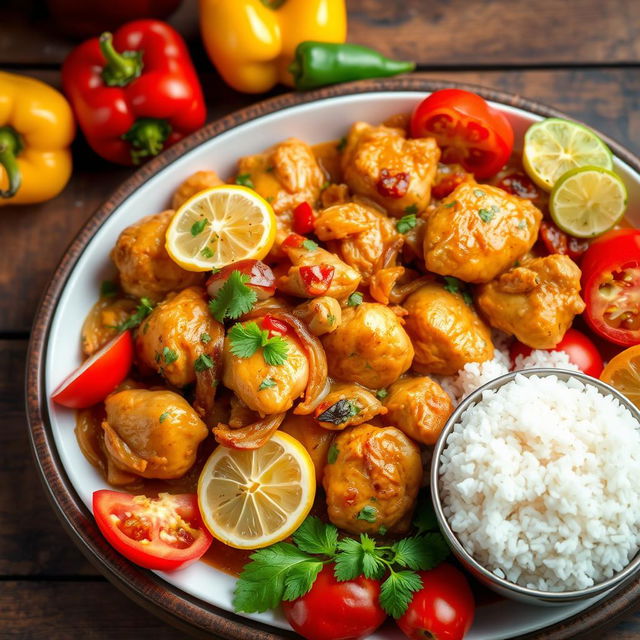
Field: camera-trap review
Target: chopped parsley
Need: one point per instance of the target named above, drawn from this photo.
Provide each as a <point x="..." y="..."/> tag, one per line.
<point x="381" y="394"/>
<point x="245" y="180"/>
<point x="453" y="285"/>
<point x="326" y="185"/>
<point x="406" y="223"/>
<point x="234" y="298"/>
<point x="203" y="362"/>
<point x="355" y="299"/>
<point x="247" y="338"/>
<point x="453" y="203"/>
<point x="332" y="456"/>
<point x="368" y="513"/>
<point x="267" y="383"/>
<point x="206" y="253"/>
<point x="108" y="289"/>
<point x="205" y="338"/>
<point x="522" y="224"/>
<point x="479" y="193"/>
<point x="342" y="143"/>
<point x="169" y="355"/>
<point x="331" y="319"/>
<point x="382" y="531"/>
<point x="310" y="245"/>
<point x="412" y="208"/>
<point x="164" y="416"/>
<point x="486" y="215"/>
<point x="198" y="227"/>
<point x="144" y="308"/>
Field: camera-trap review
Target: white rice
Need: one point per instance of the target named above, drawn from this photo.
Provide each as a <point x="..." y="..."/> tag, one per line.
<point x="539" y="483"/>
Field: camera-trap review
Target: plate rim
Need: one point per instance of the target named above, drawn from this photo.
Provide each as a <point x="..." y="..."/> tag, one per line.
<point x="144" y="587"/>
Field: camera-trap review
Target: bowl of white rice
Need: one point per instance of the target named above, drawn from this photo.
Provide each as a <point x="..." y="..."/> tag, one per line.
<point x="535" y="485"/>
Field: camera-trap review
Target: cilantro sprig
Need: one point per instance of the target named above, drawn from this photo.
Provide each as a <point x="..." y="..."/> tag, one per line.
<point x="286" y="571"/>
<point x="247" y="338"/>
<point x="234" y="298"/>
<point x="453" y="285"/>
<point x="144" y="308"/>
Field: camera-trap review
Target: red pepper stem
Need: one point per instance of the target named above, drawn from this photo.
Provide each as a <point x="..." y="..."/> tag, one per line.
<point x="10" y="147"/>
<point x="121" y="68"/>
<point x="147" y="137"/>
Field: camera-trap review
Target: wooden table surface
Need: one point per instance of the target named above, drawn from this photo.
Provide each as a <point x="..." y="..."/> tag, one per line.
<point x="582" y="57"/>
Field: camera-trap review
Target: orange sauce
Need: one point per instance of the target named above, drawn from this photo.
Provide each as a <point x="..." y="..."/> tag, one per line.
<point x="329" y="158"/>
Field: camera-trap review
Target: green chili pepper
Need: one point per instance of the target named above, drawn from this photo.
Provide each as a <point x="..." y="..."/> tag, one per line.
<point x="316" y="64"/>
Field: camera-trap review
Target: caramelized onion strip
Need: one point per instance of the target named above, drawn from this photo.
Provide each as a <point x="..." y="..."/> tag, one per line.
<point x="253" y="436"/>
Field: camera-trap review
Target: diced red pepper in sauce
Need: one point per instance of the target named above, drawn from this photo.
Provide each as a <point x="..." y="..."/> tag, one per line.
<point x="393" y="185"/>
<point x="293" y="241"/>
<point x="557" y="241"/>
<point x="447" y="179"/>
<point x="317" y="278"/>
<point x="519" y="184"/>
<point x="303" y="218"/>
<point x="274" y="326"/>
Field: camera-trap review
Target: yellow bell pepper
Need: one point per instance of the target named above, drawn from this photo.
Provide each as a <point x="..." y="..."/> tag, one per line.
<point x="36" y="129"/>
<point x="252" y="42"/>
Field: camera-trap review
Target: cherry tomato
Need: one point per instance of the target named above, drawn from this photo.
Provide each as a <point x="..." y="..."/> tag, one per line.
<point x="519" y="184"/>
<point x="317" y="278"/>
<point x="261" y="278"/>
<point x="581" y="351"/>
<point x="163" y="533"/>
<point x="443" y="609"/>
<point x="467" y="129"/>
<point x="393" y="185"/>
<point x="98" y="375"/>
<point x="303" y="218"/>
<point x="557" y="241"/>
<point x="611" y="286"/>
<point x="335" y="610"/>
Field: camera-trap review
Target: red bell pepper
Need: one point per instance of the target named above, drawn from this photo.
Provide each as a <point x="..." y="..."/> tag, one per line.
<point x="135" y="93"/>
<point x="303" y="218"/>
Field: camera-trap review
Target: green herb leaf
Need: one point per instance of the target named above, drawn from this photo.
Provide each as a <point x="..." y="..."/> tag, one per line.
<point x="206" y="253"/>
<point x="310" y="245"/>
<point x="314" y="536"/>
<point x="373" y="564"/>
<point x="142" y="311"/>
<point x="300" y="579"/>
<point x="267" y="383"/>
<point x="406" y="223"/>
<point x="349" y="561"/>
<point x="275" y="351"/>
<point x="234" y="298"/>
<point x="341" y="144"/>
<point x="163" y="416"/>
<point x="486" y="215"/>
<point x="245" y="180"/>
<point x="453" y="203"/>
<point x="247" y="338"/>
<point x="333" y="453"/>
<point x="331" y="319"/>
<point x="412" y="208"/>
<point x="467" y="297"/>
<point x="325" y="185"/>
<point x="522" y="224"/>
<point x="205" y="338"/>
<point x="381" y="394"/>
<point x="479" y="193"/>
<point x="397" y="591"/>
<point x="203" y="362"/>
<point x="368" y="513"/>
<point x="355" y="299"/>
<point x="382" y="531"/>
<point x="108" y="289"/>
<point x="198" y="227"/>
<point x="451" y="284"/>
<point x="169" y="355"/>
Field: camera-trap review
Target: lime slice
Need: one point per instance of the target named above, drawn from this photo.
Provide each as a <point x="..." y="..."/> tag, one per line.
<point x="554" y="146"/>
<point x="588" y="201"/>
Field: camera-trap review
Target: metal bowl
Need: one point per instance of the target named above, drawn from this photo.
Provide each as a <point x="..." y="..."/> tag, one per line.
<point x="504" y="587"/>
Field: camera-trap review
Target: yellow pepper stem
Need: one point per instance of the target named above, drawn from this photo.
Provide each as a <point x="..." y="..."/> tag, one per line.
<point x="121" y="68"/>
<point x="10" y="147"/>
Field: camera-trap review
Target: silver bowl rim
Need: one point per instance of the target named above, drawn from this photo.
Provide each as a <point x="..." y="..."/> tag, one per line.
<point x="503" y="585"/>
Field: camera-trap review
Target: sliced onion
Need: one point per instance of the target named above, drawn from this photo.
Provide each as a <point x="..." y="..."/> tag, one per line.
<point x="253" y="436"/>
<point x="120" y="452"/>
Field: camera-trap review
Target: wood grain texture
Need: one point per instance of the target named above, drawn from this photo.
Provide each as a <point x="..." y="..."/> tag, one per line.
<point x="434" y="33"/>
<point x="606" y="99"/>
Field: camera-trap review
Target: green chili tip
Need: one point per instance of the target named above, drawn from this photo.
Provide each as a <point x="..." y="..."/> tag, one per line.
<point x="10" y="146"/>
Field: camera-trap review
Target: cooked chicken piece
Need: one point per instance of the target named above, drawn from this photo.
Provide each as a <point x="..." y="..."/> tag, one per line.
<point x="285" y="175"/>
<point x="152" y="434"/>
<point x="265" y="388"/>
<point x="419" y="407"/>
<point x="146" y="270"/>
<point x="374" y="480"/>
<point x="312" y="270"/>
<point x="334" y="194"/>
<point x="347" y="404"/>
<point x="369" y="347"/>
<point x="199" y="181"/>
<point x="446" y="332"/>
<point x="362" y="236"/>
<point x="382" y="164"/>
<point x="535" y="302"/>
<point x="321" y="315"/>
<point x="182" y="342"/>
<point x="479" y="231"/>
<point x="100" y="325"/>
<point x="316" y="440"/>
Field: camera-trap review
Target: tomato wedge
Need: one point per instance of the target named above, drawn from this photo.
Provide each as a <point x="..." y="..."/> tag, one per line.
<point x="164" y="533"/>
<point x="260" y="278"/>
<point x="467" y="129"/>
<point x="97" y="376"/>
<point x="611" y="286"/>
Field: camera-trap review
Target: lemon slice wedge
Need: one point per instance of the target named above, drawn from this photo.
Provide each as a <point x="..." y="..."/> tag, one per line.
<point x="623" y="373"/>
<point x="219" y="226"/>
<point x="253" y="498"/>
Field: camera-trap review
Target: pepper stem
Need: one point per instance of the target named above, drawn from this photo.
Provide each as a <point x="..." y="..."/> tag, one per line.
<point x="121" y="68"/>
<point x="147" y="137"/>
<point x="10" y="147"/>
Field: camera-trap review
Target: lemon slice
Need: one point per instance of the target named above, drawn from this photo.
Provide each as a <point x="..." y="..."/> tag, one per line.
<point x="554" y="146"/>
<point x="219" y="226"/>
<point x="251" y="498"/>
<point x="588" y="201"/>
<point x="623" y="373"/>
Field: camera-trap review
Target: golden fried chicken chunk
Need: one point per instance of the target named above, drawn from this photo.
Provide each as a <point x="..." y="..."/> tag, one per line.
<point x="152" y="434"/>
<point x="446" y="332"/>
<point x="146" y="270"/>
<point x="285" y="175"/>
<point x="100" y="325"/>
<point x="374" y="480"/>
<point x="315" y="272"/>
<point x="321" y="315"/>
<point x="479" y="231"/>
<point x="535" y="302"/>
<point x="361" y="235"/>
<point x="419" y="407"/>
<point x="383" y="165"/>
<point x="265" y="388"/>
<point x="199" y="181"/>
<point x="347" y="404"/>
<point x="369" y="347"/>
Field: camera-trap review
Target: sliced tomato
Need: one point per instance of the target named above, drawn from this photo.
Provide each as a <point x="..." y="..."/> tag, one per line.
<point x="261" y="278"/>
<point x="467" y="129"/>
<point x="164" y="533"/>
<point x="317" y="278"/>
<point x="557" y="241"/>
<point x="448" y="177"/>
<point x="519" y="184"/>
<point x="97" y="376"/>
<point x="611" y="286"/>
<point x="274" y="326"/>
